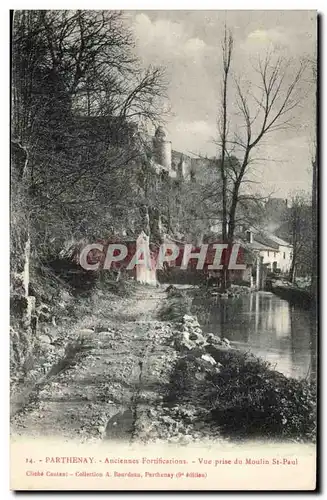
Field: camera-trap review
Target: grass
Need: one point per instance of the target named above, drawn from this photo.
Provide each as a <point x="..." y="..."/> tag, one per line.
<point x="250" y="399"/>
<point x="178" y="304"/>
<point x="247" y="398"/>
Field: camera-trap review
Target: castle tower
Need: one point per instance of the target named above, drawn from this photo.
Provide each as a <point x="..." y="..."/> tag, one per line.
<point x="162" y="148"/>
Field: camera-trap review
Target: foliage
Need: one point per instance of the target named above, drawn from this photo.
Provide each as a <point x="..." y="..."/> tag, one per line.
<point x="249" y="398"/>
<point x="297" y="226"/>
<point x="246" y="398"/>
<point x="176" y="306"/>
<point x="78" y="97"/>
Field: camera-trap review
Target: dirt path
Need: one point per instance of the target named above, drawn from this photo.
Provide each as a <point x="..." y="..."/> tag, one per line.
<point x="113" y="370"/>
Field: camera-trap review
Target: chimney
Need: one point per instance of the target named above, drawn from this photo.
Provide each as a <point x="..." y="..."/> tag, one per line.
<point x="249" y="236"/>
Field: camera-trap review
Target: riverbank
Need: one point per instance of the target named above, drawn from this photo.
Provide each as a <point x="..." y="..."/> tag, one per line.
<point x="295" y="295"/>
<point x="143" y="371"/>
<point x="238" y="391"/>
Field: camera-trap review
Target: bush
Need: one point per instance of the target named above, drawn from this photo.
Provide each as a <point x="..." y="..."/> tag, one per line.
<point x="248" y="398"/>
<point x="176" y="306"/>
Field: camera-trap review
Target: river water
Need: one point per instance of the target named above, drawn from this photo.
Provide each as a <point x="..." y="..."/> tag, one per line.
<point x="264" y="324"/>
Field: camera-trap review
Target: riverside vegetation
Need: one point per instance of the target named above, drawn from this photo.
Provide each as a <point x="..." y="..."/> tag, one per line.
<point x="238" y="391"/>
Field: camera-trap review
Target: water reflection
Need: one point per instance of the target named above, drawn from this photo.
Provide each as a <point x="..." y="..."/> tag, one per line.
<point x="266" y="324"/>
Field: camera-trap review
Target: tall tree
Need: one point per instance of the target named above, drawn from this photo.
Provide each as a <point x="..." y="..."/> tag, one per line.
<point x="227" y="49"/>
<point x="78" y="95"/>
<point x="265" y="106"/>
<point x="263" y="112"/>
<point x="299" y="229"/>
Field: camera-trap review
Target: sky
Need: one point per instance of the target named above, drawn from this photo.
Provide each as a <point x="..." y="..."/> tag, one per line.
<point x="188" y="45"/>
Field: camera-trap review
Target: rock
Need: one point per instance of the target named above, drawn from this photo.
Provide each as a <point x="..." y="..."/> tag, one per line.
<point x="200" y="340"/>
<point x="213" y="339"/>
<point x="182" y="344"/>
<point x="86" y="331"/>
<point x="193" y="336"/>
<point x="195" y="353"/>
<point x="186" y="336"/>
<point x="44" y="339"/>
<point x="207" y="357"/>
<point x="43" y="307"/>
<point x="190" y="321"/>
<point x="107" y="334"/>
<point x="226" y="341"/>
<point x="219" y="353"/>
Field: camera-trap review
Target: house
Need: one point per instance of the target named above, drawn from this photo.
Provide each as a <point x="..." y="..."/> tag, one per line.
<point x="275" y="253"/>
<point x="265" y="253"/>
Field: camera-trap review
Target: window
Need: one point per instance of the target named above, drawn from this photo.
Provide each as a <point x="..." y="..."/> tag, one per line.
<point x="274" y="254"/>
<point x="268" y="253"/>
<point x="284" y="256"/>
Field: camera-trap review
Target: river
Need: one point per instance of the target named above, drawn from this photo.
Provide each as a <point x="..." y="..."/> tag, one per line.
<point x="264" y="324"/>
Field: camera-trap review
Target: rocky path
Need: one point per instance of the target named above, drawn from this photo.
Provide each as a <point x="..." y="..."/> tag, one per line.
<point x="108" y="376"/>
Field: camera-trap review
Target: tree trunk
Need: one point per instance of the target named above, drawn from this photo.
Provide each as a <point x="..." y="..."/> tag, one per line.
<point x="227" y="54"/>
<point x="292" y="272"/>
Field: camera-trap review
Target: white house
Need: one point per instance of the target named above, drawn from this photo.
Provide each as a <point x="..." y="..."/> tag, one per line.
<point x="275" y="253"/>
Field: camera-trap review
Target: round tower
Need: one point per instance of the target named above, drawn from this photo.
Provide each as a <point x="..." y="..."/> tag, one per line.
<point x="162" y="148"/>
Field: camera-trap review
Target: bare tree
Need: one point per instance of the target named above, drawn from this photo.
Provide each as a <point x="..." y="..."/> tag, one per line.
<point x="264" y="107"/>
<point x="227" y="49"/>
<point x="272" y="112"/>
<point x="299" y="228"/>
<point x="78" y="94"/>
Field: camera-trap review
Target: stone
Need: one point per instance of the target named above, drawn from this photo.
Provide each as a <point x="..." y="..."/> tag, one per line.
<point x="193" y="336"/>
<point x="218" y="352"/>
<point x="186" y="336"/>
<point x="190" y="321"/>
<point x="214" y="339"/>
<point x="196" y="352"/>
<point x="108" y="335"/>
<point x="183" y="344"/>
<point x="207" y="357"/>
<point x="86" y="331"/>
<point x="44" y="339"/>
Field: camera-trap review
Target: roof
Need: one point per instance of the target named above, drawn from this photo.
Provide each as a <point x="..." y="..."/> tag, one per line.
<point x="269" y="240"/>
<point x="278" y="240"/>
<point x="256" y="245"/>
